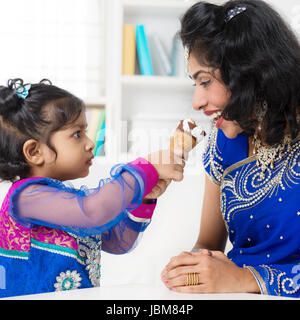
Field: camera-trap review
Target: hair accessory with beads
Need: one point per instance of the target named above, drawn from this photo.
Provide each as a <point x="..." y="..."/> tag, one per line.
<point x="234" y="12"/>
<point x="22" y="91"/>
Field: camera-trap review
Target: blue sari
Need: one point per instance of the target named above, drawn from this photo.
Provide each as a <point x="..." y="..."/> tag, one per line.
<point x="262" y="215"/>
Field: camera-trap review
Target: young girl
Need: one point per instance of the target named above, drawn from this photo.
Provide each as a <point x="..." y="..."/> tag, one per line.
<point x="51" y="233"/>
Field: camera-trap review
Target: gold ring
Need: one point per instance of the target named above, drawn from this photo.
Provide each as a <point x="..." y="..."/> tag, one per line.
<point x="192" y="279"/>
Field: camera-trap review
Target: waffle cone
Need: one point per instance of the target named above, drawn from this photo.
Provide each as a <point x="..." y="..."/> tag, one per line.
<point x="182" y="143"/>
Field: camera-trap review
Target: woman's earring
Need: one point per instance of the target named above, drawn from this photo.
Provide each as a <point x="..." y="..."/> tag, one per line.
<point x="186" y="55"/>
<point x="261" y="113"/>
<point x="261" y="110"/>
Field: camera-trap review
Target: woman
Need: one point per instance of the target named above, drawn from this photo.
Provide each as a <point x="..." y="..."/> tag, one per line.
<point x="245" y="62"/>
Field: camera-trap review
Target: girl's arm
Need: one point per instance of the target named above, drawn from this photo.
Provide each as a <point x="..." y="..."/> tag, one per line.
<point x="124" y="236"/>
<point x="86" y="211"/>
<point x="213" y="233"/>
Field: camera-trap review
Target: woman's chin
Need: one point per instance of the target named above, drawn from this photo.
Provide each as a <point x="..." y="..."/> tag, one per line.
<point x="230" y="129"/>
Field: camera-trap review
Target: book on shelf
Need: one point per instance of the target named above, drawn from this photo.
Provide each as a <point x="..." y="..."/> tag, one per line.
<point x="129" y="49"/>
<point x="143" y="52"/>
<point x="178" y="58"/>
<point x="160" y="58"/>
<point x="147" y="55"/>
<point x="100" y="136"/>
<point x="96" y="129"/>
<point x="93" y="116"/>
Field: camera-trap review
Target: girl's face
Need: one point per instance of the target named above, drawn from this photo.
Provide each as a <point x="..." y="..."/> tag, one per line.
<point x="211" y="96"/>
<point x="74" y="152"/>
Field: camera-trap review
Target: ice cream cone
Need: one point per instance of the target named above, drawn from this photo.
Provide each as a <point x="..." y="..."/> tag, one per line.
<point x="186" y="137"/>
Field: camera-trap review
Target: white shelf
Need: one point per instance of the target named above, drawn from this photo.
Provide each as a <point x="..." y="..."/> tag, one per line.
<point x="138" y="103"/>
<point x="156" y="6"/>
<point x="96" y="101"/>
<point x="159" y="7"/>
<point x="155" y="81"/>
<point x="166" y="118"/>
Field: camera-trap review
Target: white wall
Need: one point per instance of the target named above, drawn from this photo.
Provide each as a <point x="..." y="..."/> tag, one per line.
<point x="60" y="40"/>
<point x="290" y="10"/>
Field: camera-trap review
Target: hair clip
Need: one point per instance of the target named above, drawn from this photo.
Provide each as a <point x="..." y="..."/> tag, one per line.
<point x="234" y="12"/>
<point x="22" y="91"/>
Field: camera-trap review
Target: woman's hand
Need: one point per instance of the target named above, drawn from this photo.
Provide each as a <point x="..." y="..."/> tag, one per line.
<point x="216" y="273"/>
<point x="159" y="189"/>
<point x="167" y="164"/>
<point x="169" y="167"/>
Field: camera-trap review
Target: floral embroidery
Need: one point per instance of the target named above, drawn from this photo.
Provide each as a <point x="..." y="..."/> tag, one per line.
<point x="89" y="248"/>
<point x="54" y="236"/>
<point x="67" y="281"/>
<point x="13" y="236"/>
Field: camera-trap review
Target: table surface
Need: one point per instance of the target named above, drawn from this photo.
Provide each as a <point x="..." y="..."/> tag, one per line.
<point x="140" y="292"/>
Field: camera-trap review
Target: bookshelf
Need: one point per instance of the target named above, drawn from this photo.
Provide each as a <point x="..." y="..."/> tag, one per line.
<point x="143" y="111"/>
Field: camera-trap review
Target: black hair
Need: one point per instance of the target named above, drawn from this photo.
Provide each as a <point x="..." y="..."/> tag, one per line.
<point x="44" y="111"/>
<point x="258" y="56"/>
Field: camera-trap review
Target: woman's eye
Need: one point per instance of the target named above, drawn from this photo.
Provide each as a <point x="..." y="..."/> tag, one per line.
<point x="205" y="83"/>
<point x="202" y="83"/>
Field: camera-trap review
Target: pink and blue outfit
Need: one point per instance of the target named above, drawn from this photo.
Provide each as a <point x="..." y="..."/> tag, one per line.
<point x="52" y="234"/>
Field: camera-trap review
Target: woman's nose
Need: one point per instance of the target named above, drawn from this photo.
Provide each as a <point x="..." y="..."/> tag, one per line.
<point x="199" y="100"/>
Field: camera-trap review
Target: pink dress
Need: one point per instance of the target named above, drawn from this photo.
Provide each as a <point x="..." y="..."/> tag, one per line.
<point x="52" y="234"/>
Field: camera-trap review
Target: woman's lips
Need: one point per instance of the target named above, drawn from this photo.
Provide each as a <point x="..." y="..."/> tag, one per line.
<point x="210" y="112"/>
<point x="215" y="116"/>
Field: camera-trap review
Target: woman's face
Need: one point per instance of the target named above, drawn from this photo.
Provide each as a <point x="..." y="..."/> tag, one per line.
<point x="211" y="96"/>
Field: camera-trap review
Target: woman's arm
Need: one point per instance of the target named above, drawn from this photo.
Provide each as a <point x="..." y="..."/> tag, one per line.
<point x="278" y="279"/>
<point x="213" y="233"/>
<point x="216" y="273"/>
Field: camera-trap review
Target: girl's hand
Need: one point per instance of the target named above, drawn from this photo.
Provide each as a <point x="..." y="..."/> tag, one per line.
<point x="167" y="164"/>
<point x="216" y="273"/>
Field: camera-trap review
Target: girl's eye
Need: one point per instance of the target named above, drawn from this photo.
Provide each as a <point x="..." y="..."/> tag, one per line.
<point x="77" y="134"/>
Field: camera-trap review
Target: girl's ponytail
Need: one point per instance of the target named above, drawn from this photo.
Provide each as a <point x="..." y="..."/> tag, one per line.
<point x="10" y="103"/>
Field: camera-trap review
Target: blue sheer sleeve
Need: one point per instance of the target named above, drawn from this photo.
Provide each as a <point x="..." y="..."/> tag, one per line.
<point x="116" y="241"/>
<point x="102" y="210"/>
